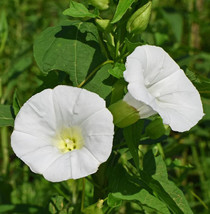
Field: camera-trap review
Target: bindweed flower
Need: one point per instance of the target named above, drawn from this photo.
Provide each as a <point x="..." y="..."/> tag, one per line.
<point x="63" y="133"/>
<point x="156" y="84"/>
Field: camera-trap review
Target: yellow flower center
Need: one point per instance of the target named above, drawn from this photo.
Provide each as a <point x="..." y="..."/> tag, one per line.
<point x="69" y="139"/>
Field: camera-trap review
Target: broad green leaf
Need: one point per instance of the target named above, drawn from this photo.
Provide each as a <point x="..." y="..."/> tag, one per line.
<point x="101" y="82"/>
<point x="117" y="70"/>
<point x="78" y="10"/>
<point x="170" y="193"/>
<point x="145" y="198"/>
<point x="71" y="47"/>
<point x="122" y="7"/>
<point x="132" y="136"/>
<point x="6" y="117"/>
<point x="155" y="129"/>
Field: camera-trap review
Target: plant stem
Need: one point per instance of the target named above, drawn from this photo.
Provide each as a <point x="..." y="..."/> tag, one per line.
<point x="94" y="71"/>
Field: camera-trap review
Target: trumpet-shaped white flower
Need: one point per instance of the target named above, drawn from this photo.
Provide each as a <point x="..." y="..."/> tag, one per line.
<point x="63" y="133"/>
<point x="156" y="84"/>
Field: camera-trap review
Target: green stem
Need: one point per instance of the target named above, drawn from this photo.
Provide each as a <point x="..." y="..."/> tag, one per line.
<point x="94" y="71"/>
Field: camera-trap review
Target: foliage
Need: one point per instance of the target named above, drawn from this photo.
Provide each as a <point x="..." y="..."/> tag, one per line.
<point x="151" y="169"/>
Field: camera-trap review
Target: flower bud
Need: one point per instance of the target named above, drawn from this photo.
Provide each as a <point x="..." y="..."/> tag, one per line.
<point x="140" y="19"/>
<point x="100" y="4"/>
<point x="124" y="115"/>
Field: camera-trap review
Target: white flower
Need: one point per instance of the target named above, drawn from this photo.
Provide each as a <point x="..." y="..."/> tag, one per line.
<point x="156" y="84"/>
<point x="63" y="133"/>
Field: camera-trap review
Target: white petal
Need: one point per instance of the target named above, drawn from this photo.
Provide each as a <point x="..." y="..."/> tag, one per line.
<point x="83" y="163"/>
<point x="23" y="143"/>
<point x="65" y="98"/>
<point x="60" y="169"/>
<point x="99" y="123"/>
<point x="40" y="159"/>
<point x="75" y="104"/>
<point x="180" y="110"/>
<point x="99" y="146"/>
<point x="37" y="116"/>
<point x="156" y="63"/>
<point x="144" y="109"/>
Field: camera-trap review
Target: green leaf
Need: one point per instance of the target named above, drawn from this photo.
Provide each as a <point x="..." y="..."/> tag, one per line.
<point x="100" y="83"/>
<point x="168" y="192"/>
<point x="132" y="136"/>
<point x="71" y="47"/>
<point x="78" y="10"/>
<point x="145" y="198"/>
<point x="155" y="129"/>
<point x="117" y="70"/>
<point x="6" y="117"/>
<point x="122" y="7"/>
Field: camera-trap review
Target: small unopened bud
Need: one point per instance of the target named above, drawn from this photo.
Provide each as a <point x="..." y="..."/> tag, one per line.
<point x="140" y="19"/>
<point x="100" y="4"/>
<point x="124" y="115"/>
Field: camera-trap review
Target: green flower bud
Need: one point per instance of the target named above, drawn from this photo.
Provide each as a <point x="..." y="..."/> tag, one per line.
<point x="103" y="24"/>
<point x="100" y="4"/>
<point x="124" y="115"/>
<point x="140" y="19"/>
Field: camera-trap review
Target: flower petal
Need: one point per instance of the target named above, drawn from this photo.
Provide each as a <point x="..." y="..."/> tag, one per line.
<point x="23" y="143"/>
<point x="40" y="159"/>
<point x="59" y="169"/>
<point x="99" y="146"/>
<point x="73" y="105"/>
<point x="83" y="163"/>
<point x="99" y="123"/>
<point x="37" y="116"/>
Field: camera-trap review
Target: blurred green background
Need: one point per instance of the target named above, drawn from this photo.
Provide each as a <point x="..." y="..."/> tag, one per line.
<point x="182" y="28"/>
